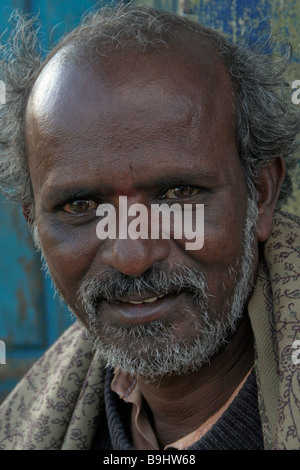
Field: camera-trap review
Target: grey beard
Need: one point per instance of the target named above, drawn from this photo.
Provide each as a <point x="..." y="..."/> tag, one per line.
<point x="154" y="350"/>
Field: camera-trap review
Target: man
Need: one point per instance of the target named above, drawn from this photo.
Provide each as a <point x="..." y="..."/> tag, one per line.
<point x="174" y="348"/>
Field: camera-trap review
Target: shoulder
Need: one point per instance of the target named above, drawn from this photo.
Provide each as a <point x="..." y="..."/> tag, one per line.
<point x="39" y="411"/>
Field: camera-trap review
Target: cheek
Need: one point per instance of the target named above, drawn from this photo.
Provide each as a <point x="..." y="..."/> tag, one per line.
<point x="223" y="241"/>
<point x="222" y="249"/>
<point x="223" y="236"/>
<point x="69" y="253"/>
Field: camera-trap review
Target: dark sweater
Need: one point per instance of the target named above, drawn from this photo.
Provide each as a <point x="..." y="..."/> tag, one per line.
<point x="239" y="428"/>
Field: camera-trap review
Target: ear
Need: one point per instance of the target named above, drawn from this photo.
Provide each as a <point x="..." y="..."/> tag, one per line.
<point x="268" y="188"/>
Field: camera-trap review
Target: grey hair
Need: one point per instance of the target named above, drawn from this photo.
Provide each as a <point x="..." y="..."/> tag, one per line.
<point x="267" y="124"/>
<point x="19" y="62"/>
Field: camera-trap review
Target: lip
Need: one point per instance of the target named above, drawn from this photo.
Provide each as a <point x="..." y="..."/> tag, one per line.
<point x="125" y="312"/>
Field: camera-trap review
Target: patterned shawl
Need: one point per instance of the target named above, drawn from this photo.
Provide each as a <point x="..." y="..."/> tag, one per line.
<point x="59" y="403"/>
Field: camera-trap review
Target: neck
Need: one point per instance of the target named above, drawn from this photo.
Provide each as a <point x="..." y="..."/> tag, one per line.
<point x="180" y="404"/>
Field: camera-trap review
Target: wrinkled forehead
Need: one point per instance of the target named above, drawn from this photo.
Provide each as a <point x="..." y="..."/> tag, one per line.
<point x="186" y="67"/>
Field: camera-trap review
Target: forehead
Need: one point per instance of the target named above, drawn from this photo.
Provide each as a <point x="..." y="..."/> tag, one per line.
<point x="102" y="104"/>
<point x="185" y="69"/>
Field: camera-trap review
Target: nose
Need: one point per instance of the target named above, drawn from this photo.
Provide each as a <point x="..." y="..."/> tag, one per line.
<point x="134" y="257"/>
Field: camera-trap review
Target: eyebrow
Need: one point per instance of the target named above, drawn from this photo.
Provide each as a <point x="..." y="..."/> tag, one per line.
<point x="58" y="192"/>
<point x="191" y="177"/>
<point x="63" y="194"/>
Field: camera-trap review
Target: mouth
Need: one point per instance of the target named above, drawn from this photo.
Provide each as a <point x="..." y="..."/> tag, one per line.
<point x="144" y="308"/>
<point x="148" y="300"/>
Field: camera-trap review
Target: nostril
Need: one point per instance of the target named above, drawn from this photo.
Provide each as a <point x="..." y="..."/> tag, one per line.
<point x="134" y="257"/>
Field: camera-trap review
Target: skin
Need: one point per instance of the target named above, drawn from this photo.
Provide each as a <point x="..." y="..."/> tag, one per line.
<point x="136" y="126"/>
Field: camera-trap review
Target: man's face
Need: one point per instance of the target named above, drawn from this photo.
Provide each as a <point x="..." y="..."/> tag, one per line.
<point x="156" y="130"/>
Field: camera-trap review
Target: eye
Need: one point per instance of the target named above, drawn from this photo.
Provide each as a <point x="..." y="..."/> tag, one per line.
<point x="181" y="192"/>
<point x="79" y="206"/>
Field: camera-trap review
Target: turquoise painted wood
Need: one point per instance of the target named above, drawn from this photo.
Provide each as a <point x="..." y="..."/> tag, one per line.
<point x="30" y="317"/>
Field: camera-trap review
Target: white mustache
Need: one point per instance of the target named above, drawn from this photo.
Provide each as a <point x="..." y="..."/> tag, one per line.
<point x="155" y="283"/>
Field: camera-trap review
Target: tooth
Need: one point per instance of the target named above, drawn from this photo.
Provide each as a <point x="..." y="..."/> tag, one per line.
<point x="149" y="301"/>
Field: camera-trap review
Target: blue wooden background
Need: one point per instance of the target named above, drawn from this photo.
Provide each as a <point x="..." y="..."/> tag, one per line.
<point x="30" y="317"/>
